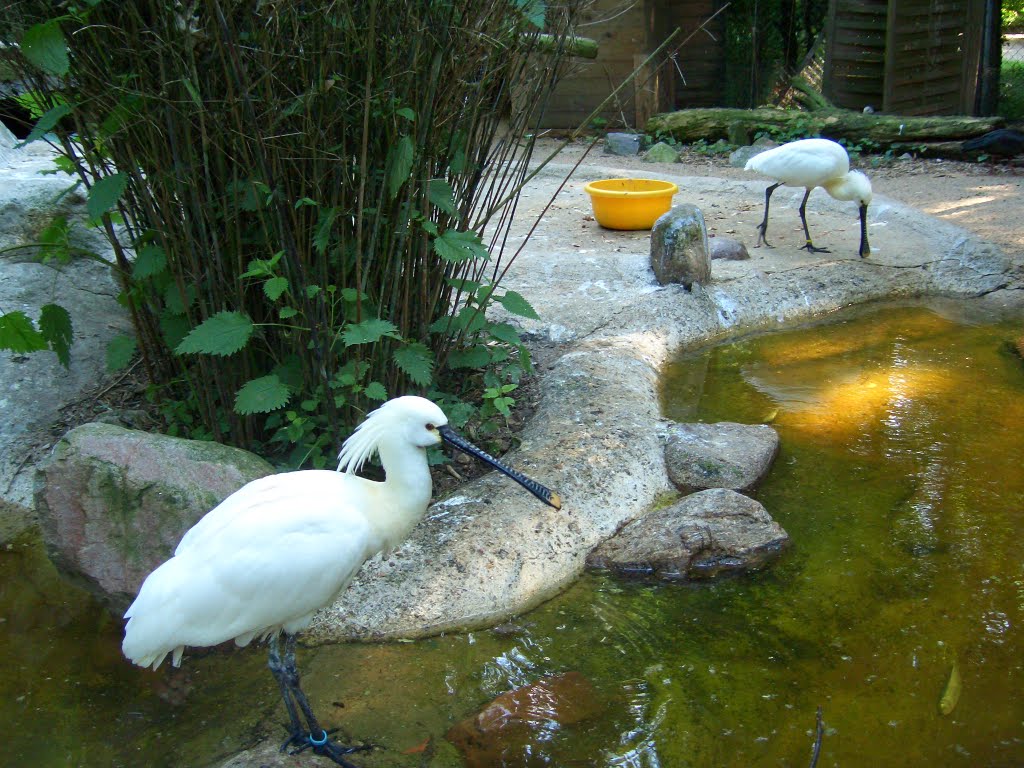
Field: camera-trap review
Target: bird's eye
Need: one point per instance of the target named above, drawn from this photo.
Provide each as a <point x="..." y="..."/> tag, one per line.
<point x="431" y="427"/>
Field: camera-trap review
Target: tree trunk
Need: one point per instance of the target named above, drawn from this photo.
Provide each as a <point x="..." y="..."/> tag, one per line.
<point x="883" y="130"/>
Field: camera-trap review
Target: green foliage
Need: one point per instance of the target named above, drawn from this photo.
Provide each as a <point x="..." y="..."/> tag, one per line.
<point x="53" y="332"/>
<point x="303" y="236"/>
<point x="1011" y="90"/>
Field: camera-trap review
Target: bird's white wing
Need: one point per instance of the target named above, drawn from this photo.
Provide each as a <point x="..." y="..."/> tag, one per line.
<point x="806" y="163"/>
<point x="265" y="561"/>
<point x="284" y="491"/>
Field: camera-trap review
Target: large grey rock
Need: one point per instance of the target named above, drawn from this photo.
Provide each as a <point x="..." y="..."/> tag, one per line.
<point x="113" y="502"/>
<point x="721" y="455"/>
<point x="625" y="144"/>
<point x="700" y="536"/>
<point x="680" y="252"/>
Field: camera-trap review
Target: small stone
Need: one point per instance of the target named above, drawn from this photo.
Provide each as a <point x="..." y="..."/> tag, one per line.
<point x="679" y="247"/>
<point x="625" y="144"/>
<point x="740" y="157"/>
<point x="727" y="249"/>
<point x="661" y="153"/>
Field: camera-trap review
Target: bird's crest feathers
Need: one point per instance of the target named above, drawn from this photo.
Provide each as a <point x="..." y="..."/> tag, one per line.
<point x="381" y="424"/>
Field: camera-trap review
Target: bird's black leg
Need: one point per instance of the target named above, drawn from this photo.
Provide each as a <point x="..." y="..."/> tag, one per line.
<point x="808" y="246"/>
<point x="865" y="249"/>
<point x="762" y="228"/>
<point x="316" y="738"/>
<point x="277" y="669"/>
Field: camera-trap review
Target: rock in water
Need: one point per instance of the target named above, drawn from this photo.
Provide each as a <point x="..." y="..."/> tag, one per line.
<point x="720" y="455"/>
<point x="506" y="731"/>
<point x="699" y="537"/>
<point x="113" y="502"/>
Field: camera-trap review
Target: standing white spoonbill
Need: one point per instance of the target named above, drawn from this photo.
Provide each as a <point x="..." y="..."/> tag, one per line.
<point x="280" y="548"/>
<point x="813" y="163"/>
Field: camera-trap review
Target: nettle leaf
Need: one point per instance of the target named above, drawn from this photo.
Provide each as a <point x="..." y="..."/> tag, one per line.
<point x="174" y="328"/>
<point x="222" y="334"/>
<point x="399" y="164"/>
<point x="55" y="325"/>
<point x="104" y="194"/>
<point x="440" y="195"/>
<point x="262" y="395"/>
<point x="505" y="332"/>
<point x="407" y="113"/>
<point x="474" y="357"/>
<point x="175" y="302"/>
<point x="469" y="320"/>
<point x="44" y="45"/>
<point x="416" y="361"/>
<point x="455" y="247"/>
<point x="47" y="122"/>
<point x="120" y="351"/>
<point x="369" y="331"/>
<point x="56" y="232"/>
<point x="274" y="287"/>
<point x="517" y="305"/>
<point x="150" y="260"/>
<point x="19" y="335"/>
<point x="376" y="391"/>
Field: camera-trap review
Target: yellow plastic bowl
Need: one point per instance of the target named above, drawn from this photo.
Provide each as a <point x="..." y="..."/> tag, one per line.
<point x="630" y="203"/>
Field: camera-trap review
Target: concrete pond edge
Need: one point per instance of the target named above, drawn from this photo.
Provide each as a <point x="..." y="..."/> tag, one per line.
<point x="490" y="552"/>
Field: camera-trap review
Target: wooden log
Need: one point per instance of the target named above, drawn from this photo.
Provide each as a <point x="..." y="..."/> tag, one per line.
<point x="712" y="124"/>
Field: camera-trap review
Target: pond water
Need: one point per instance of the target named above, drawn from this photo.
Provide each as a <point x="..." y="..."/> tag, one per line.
<point x="899" y="480"/>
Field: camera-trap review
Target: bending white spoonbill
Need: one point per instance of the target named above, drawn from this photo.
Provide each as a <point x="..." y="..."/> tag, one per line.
<point x="282" y="547"/>
<point x="813" y="163"/>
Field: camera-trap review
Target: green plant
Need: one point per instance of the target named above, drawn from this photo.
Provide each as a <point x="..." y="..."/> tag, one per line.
<point x="300" y="236"/>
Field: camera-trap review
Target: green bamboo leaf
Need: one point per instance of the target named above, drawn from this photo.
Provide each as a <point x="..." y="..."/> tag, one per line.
<point x="55" y="325"/>
<point x="262" y="395"/>
<point x="274" y="287"/>
<point x="416" y="361"/>
<point x="399" y="164"/>
<point x="455" y="247"/>
<point x="440" y="194"/>
<point x="44" y="45"/>
<point x="150" y="260"/>
<point x="322" y="235"/>
<point x="104" y="194"/>
<point x="48" y="122"/>
<point x="120" y="351"/>
<point x="19" y="335"/>
<point x="517" y="305"/>
<point x="369" y="331"/>
<point x="222" y="334"/>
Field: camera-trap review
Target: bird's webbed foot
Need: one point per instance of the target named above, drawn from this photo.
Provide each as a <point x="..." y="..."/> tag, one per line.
<point x="323" y="745"/>
<point x="812" y="248"/>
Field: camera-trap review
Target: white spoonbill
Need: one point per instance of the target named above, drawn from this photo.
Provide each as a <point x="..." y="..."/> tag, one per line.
<point x="280" y="548"/>
<point x="813" y="163"/>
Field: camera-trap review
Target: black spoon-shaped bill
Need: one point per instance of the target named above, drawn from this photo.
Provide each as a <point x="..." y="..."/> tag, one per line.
<point x="543" y="493"/>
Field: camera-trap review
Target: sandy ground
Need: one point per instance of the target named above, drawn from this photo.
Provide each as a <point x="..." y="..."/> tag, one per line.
<point x="987" y="200"/>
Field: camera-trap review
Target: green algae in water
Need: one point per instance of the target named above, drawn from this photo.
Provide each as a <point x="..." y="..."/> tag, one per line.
<point x="900" y="482"/>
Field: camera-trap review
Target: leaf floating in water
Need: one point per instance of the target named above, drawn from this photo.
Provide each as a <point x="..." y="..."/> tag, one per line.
<point x="770" y="416"/>
<point x="951" y="695"/>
